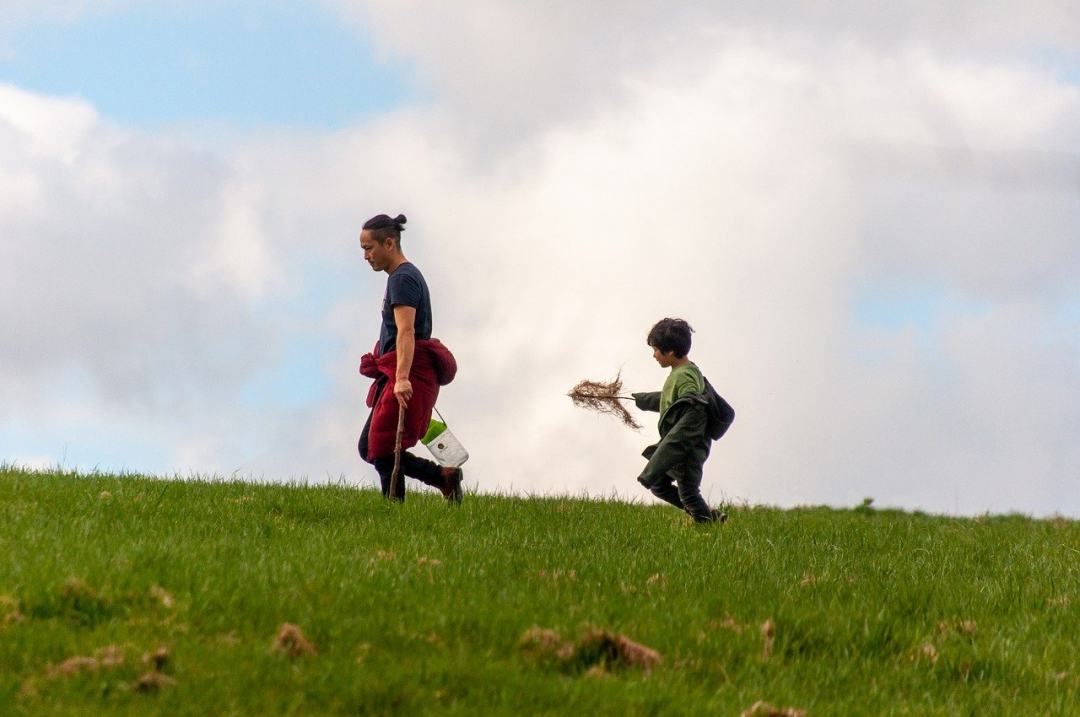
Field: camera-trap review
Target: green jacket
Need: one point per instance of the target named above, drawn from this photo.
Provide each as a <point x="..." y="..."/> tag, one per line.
<point x="683" y="437"/>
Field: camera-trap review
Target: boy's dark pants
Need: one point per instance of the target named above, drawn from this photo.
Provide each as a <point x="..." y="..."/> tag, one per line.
<point x="674" y="471"/>
<point x="681" y="485"/>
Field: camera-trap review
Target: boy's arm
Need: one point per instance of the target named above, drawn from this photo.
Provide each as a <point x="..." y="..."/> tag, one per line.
<point x="649" y="401"/>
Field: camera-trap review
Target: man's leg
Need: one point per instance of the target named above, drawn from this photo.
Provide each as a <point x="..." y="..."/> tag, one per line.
<point x="385" y="467"/>
<point x="447" y="480"/>
<point x="423" y="470"/>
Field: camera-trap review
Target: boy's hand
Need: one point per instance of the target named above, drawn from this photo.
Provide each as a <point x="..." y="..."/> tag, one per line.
<point x="647" y="401"/>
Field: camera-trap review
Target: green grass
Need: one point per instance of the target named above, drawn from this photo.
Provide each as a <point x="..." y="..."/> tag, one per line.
<point x="421" y="607"/>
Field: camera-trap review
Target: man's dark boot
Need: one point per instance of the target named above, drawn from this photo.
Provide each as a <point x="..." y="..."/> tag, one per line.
<point x="451" y="488"/>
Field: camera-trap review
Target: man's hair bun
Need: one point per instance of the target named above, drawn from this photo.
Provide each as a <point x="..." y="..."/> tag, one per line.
<point x="383" y="221"/>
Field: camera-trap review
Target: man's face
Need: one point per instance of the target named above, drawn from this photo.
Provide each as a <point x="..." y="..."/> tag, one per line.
<point x="375" y="254"/>
<point x="665" y="359"/>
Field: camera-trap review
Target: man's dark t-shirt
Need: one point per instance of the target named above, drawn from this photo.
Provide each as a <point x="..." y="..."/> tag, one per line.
<point x="405" y="287"/>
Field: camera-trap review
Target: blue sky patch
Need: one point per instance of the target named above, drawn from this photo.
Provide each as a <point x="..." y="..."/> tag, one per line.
<point x="300" y="374"/>
<point x="299" y="377"/>
<point x="1063" y="63"/>
<point x="83" y="447"/>
<point x="250" y="64"/>
<point x="897" y="306"/>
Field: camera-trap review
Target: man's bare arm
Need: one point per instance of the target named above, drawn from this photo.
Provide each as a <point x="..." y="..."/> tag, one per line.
<point x="405" y="319"/>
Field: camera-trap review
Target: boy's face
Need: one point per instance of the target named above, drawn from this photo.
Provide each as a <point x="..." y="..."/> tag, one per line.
<point x="665" y="359"/>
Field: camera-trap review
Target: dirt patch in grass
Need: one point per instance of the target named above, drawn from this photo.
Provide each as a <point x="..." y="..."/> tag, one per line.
<point x="926" y="652"/>
<point x="965" y="628"/>
<point x="362" y="652"/>
<point x="544" y="645"/>
<point x="596" y="651"/>
<point x="291" y="641"/>
<point x="153" y="682"/>
<point x="108" y="656"/>
<point x="761" y="708"/>
<point x="76" y="600"/>
<point x="10" y="612"/>
<point x="72" y="666"/>
<point x="556" y="576"/>
<point x="614" y="650"/>
<point x="728" y="623"/>
<point x="768" y="637"/>
<point x="157" y="658"/>
<point x="162" y="596"/>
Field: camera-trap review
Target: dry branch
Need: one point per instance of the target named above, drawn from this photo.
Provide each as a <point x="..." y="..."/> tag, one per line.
<point x="603" y="398"/>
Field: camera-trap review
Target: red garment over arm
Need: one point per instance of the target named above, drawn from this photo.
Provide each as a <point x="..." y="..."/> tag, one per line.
<point x="433" y="366"/>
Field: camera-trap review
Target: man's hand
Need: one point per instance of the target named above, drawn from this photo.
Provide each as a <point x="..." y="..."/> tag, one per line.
<point x="403" y="391"/>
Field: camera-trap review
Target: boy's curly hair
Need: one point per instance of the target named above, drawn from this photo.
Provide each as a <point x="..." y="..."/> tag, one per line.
<point x="671" y="335"/>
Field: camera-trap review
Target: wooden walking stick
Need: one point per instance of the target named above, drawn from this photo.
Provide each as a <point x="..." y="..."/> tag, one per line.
<point x="397" y="452"/>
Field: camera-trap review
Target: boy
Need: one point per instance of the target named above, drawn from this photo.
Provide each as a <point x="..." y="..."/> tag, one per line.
<point x="692" y="415"/>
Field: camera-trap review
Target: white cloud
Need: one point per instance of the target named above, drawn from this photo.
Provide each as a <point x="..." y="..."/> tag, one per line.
<point x="564" y="192"/>
<point x="240" y="257"/>
<point x="102" y="230"/>
<point x="16" y="15"/>
<point x="510" y="68"/>
<point x="46" y="127"/>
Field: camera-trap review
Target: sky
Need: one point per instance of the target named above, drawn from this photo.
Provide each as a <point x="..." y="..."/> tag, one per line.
<point x="869" y="216"/>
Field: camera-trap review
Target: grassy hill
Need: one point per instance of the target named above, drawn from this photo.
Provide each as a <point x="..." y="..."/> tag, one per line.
<point x="172" y="595"/>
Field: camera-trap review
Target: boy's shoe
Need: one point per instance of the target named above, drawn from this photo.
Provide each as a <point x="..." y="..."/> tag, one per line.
<point x="452" y="489"/>
<point x="718" y="516"/>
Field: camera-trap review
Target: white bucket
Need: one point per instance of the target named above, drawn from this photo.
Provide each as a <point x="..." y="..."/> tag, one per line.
<point x="444" y="445"/>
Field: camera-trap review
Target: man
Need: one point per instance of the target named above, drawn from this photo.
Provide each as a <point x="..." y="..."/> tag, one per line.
<point x="407" y="364"/>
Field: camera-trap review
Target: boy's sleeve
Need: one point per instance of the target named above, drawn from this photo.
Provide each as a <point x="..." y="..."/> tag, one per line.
<point x="649" y="401"/>
<point x="687" y="385"/>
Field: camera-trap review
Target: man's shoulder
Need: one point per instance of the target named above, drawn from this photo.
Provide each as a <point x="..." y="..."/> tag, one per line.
<point x="406" y="274"/>
<point x="408" y="269"/>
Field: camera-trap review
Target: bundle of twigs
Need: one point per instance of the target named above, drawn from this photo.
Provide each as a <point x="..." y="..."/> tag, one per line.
<point x="603" y="398"/>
